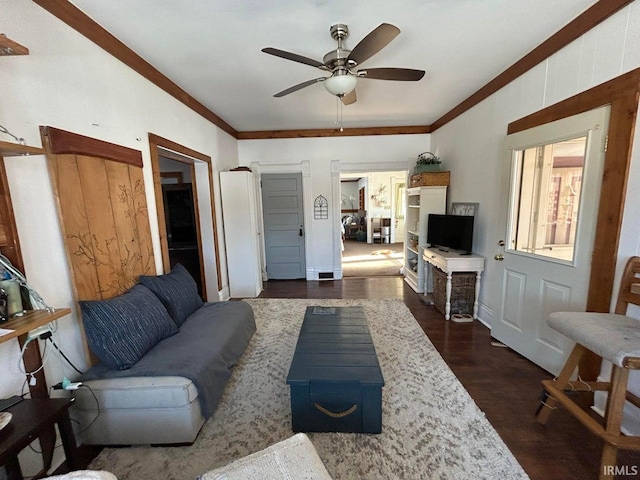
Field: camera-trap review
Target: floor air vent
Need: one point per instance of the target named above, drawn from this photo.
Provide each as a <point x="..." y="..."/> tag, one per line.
<point x="325" y="275"/>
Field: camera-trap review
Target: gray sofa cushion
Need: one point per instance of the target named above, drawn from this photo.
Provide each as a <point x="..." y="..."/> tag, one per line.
<point x="177" y="290"/>
<point x="122" y="329"/>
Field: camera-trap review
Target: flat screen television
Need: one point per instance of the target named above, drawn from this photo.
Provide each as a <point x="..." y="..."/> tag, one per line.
<point x="450" y="232"/>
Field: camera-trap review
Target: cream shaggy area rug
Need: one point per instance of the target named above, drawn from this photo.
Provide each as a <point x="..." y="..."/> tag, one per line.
<point x="431" y="428"/>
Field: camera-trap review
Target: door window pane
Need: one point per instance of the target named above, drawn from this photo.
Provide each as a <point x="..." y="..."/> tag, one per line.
<point x="548" y="183"/>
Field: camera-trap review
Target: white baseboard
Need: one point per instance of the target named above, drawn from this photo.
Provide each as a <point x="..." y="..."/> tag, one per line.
<point x="484" y="315"/>
<point x="314" y="274"/>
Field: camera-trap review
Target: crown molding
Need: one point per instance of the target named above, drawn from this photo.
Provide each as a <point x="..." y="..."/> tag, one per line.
<point x="330" y="132"/>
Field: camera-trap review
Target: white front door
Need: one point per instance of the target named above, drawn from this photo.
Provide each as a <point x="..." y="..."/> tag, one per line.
<point x="553" y="196"/>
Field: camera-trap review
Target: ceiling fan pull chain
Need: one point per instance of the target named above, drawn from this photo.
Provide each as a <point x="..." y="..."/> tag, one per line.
<point x="339" y="112"/>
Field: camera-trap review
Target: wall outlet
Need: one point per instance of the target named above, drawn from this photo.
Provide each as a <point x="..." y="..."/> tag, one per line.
<point x="36" y="332"/>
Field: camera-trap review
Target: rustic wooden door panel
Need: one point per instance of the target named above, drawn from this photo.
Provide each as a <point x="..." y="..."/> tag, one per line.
<point x="103" y="212"/>
<point x="75" y="227"/>
<point x="100" y="246"/>
<point x="141" y="217"/>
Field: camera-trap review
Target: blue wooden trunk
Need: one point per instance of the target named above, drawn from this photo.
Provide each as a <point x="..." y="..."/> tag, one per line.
<point x="335" y="378"/>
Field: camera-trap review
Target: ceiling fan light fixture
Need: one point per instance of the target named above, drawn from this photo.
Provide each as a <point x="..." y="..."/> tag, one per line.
<point x="340" y="84"/>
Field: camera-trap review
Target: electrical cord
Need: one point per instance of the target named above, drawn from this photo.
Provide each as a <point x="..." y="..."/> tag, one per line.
<point x="45" y="357"/>
<point x="97" y="407"/>
<point x="24" y="384"/>
<point x="63" y="355"/>
<point x="76" y="421"/>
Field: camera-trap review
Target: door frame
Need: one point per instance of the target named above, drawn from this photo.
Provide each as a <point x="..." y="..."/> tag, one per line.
<point x="157" y="143"/>
<point x="621" y="94"/>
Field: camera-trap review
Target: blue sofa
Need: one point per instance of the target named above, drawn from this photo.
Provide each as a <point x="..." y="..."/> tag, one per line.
<point x="165" y="358"/>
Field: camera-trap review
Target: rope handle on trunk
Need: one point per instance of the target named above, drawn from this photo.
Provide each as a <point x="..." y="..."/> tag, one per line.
<point x="329" y="413"/>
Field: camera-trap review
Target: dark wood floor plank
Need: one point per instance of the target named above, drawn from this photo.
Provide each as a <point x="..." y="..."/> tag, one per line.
<point x="503" y="384"/>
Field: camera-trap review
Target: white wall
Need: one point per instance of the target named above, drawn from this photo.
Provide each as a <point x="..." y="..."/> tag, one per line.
<point x="70" y="83"/>
<point x="327" y="157"/>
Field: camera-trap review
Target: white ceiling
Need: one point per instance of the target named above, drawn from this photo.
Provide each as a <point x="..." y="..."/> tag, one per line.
<point x="211" y="48"/>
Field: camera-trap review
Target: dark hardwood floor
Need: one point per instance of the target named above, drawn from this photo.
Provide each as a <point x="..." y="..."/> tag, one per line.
<point x="503" y="384"/>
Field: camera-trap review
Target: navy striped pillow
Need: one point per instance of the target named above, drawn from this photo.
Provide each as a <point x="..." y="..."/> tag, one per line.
<point x="177" y="290"/>
<point x="122" y="329"/>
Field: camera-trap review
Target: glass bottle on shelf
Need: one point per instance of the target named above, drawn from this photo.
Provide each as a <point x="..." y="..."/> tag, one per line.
<point x="4" y="306"/>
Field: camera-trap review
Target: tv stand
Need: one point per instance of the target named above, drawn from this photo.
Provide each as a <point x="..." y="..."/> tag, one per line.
<point x="451" y="262"/>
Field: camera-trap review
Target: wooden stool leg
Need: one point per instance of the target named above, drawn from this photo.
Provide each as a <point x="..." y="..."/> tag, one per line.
<point x="561" y="382"/>
<point x="613" y="418"/>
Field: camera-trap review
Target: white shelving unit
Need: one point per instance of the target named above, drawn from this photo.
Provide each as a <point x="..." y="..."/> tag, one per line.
<point x="421" y="201"/>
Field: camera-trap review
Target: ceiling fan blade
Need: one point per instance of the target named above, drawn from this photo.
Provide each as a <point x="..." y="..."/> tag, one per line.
<point x="375" y="41"/>
<point x="299" y="86"/>
<point x="294" y="57"/>
<point x="400" y="74"/>
<point x="350" y="97"/>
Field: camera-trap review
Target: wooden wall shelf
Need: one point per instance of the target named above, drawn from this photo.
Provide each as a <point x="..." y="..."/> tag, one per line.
<point x="9" y="47"/>
<point x="31" y="320"/>
<point x="8" y="149"/>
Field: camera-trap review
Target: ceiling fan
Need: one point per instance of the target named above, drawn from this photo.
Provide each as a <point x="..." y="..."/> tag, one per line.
<point x="341" y="62"/>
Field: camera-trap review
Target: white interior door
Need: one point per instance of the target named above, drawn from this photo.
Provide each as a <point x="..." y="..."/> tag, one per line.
<point x="553" y="195"/>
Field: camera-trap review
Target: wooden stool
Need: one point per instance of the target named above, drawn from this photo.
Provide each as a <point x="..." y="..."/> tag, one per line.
<point x="614" y="337"/>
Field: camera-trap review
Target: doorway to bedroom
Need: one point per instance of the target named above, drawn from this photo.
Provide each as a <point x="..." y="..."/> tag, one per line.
<point x="372" y="210"/>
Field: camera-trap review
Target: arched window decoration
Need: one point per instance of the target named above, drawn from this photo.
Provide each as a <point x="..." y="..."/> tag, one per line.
<point x="320" y="208"/>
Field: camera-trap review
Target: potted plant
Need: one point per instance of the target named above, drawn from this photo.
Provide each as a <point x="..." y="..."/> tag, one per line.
<point x="427" y="162"/>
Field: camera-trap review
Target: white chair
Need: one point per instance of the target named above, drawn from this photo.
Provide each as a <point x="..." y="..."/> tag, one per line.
<point x="376" y="230"/>
<point x="614" y="337"/>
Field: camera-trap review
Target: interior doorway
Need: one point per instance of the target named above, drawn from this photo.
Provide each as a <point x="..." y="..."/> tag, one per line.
<point x="180" y="166"/>
<point x="181" y="225"/>
<point x="372" y="223"/>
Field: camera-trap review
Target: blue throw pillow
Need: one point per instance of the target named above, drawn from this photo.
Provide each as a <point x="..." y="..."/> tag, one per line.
<point x="122" y="329"/>
<point x="177" y="290"/>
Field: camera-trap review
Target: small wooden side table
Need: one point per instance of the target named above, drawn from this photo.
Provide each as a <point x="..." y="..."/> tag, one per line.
<point x="31" y="418"/>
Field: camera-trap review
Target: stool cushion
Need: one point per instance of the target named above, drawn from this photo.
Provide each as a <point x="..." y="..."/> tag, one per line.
<point x="613" y="337"/>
